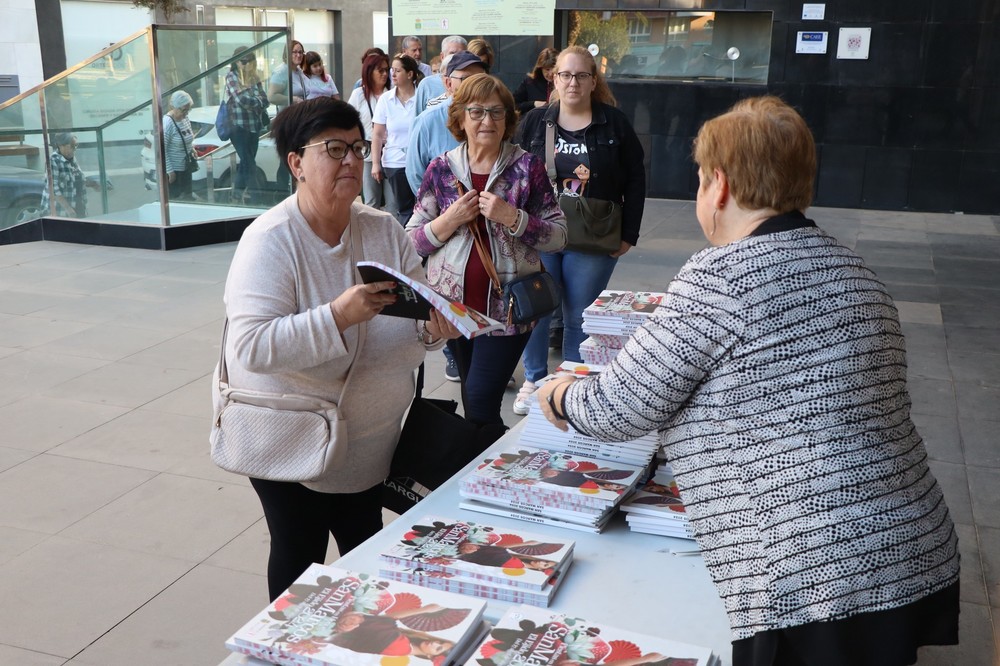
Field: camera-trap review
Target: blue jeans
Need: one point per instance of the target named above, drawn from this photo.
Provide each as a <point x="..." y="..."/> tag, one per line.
<point x="582" y="277"/>
<point x="485" y="365"/>
<point x="245" y="144"/>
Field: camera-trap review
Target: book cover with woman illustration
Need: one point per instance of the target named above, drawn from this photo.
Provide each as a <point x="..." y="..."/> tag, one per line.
<point x="416" y="300"/>
<point x="474" y="551"/>
<point x="577" y="479"/>
<point x="332" y="616"/>
<point x="527" y="635"/>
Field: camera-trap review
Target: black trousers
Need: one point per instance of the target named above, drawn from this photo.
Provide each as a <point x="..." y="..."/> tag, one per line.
<point x="301" y="521"/>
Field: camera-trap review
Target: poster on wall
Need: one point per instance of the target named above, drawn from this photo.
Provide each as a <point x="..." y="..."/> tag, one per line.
<point x="813" y="11"/>
<point x="472" y="17"/>
<point x="853" y="43"/>
<point x="811" y="42"/>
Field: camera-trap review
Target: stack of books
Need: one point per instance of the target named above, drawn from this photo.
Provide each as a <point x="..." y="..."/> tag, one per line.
<point x="472" y="558"/>
<point x="539" y="433"/>
<point x="526" y="635"/>
<point x="612" y="319"/>
<point x="656" y="507"/>
<point x="548" y="487"/>
<point x="336" y="617"/>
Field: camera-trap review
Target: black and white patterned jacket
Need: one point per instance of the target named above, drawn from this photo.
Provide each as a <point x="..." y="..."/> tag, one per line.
<point x="776" y="376"/>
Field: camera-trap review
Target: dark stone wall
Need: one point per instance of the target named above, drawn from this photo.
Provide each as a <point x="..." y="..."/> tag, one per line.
<point x="914" y="127"/>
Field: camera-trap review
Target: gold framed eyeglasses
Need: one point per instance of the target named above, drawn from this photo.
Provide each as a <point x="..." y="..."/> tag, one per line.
<point x="497" y="113"/>
<point x="337" y="149"/>
<point x="581" y="77"/>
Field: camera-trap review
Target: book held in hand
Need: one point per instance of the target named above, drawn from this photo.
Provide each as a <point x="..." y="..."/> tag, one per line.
<point x="527" y="635"/>
<point x="335" y="617"/>
<point x="416" y="300"/>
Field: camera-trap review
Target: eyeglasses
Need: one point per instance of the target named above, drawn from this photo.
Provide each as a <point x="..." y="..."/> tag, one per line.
<point x="581" y="77"/>
<point x="247" y="62"/>
<point x="337" y="149"/>
<point x="383" y="70"/>
<point x="297" y="52"/>
<point x="478" y="113"/>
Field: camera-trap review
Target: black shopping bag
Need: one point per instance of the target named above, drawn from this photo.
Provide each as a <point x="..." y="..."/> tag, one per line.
<point x="434" y="445"/>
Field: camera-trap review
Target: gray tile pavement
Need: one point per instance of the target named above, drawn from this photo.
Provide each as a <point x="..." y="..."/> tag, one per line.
<point x="121" y="544"/>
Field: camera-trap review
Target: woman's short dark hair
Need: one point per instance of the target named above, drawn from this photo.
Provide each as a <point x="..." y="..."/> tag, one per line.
<point x="477" y="89"/>
<point x="410" y="65"/>
<point x="297" y="124"/>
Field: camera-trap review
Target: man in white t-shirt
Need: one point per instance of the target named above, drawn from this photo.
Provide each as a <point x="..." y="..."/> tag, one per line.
<point x="413" y="47"/>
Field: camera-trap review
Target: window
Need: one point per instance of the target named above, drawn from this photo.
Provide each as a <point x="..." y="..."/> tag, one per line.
<point x="730" y="47"/>
<point x="638" y="29"/>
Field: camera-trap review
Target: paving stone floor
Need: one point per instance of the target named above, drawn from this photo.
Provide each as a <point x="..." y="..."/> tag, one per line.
<point x="121" y="543"/>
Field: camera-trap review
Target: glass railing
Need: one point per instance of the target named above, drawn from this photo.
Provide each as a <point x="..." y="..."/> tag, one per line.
<point x="99" y="141"/>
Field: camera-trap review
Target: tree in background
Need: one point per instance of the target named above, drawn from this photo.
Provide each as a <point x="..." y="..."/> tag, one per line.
<point x="611" y="34"/>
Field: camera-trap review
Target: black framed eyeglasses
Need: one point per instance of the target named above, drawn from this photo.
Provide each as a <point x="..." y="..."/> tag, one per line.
<point x="247" y="61"/>
<point x="337" y="149"/>
<point x="497" y="113"/>
<point x="297" y="52"/>
<point x="581" y="77"/>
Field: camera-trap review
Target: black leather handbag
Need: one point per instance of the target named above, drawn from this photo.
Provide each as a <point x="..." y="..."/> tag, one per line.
<point x="528" y="298"/>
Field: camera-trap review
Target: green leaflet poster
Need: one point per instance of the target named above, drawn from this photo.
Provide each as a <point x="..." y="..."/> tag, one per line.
<point x="472" y="17"/>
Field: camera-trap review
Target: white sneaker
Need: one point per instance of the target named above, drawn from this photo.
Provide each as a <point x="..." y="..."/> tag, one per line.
<point x="521" y="406"/>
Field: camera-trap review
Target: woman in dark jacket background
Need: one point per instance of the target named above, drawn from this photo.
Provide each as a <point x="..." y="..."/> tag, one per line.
<point x="536" y="87"/>
<point x="597" y="155"/>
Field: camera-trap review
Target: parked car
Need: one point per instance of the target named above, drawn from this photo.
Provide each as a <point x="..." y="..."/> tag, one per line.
<point x="207" y="142"/>
<point x="20" y="195"/>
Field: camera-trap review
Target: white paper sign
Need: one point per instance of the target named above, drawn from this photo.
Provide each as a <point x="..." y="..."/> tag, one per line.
<point x="813" y="11"/>
<point x="853" y="43"/>
<point x="811" y="42"/>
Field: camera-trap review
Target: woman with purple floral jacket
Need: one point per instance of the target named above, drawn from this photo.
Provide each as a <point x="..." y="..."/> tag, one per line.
<point x="488" y="185"/>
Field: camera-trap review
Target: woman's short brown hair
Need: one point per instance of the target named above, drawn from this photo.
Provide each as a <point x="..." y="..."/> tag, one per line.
<point x="766" y="151"/>
<point x="477" y="89"/>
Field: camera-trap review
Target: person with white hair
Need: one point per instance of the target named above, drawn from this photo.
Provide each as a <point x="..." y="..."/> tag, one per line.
<point x="178" y="146"/>
<point x="69" y="194"/>
<point x="413" y="47"/>
<point x="433" y="86"/>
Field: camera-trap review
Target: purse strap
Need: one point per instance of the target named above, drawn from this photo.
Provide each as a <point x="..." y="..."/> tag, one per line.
<point x="356" y="245"/>
<point x="550" y="151"/>
<point x="480" y="245"/>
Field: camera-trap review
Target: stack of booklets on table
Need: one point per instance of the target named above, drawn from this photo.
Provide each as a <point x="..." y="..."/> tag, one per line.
<point x="335" y="617"/>
<point x="612" y="319"/>
<point x="538" y="432"/>
<point x="656" y="507"/>
<point x="472" y="558"/>
<point x="548" y="487"/>
<point x="526" y="635"/>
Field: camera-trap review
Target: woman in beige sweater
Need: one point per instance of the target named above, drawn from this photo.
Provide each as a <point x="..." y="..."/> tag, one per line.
<point x="294" y="308"/>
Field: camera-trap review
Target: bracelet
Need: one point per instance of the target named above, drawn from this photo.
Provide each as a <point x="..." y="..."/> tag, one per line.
<point x="551" y="400"/>
<point x="423" y="335"/>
